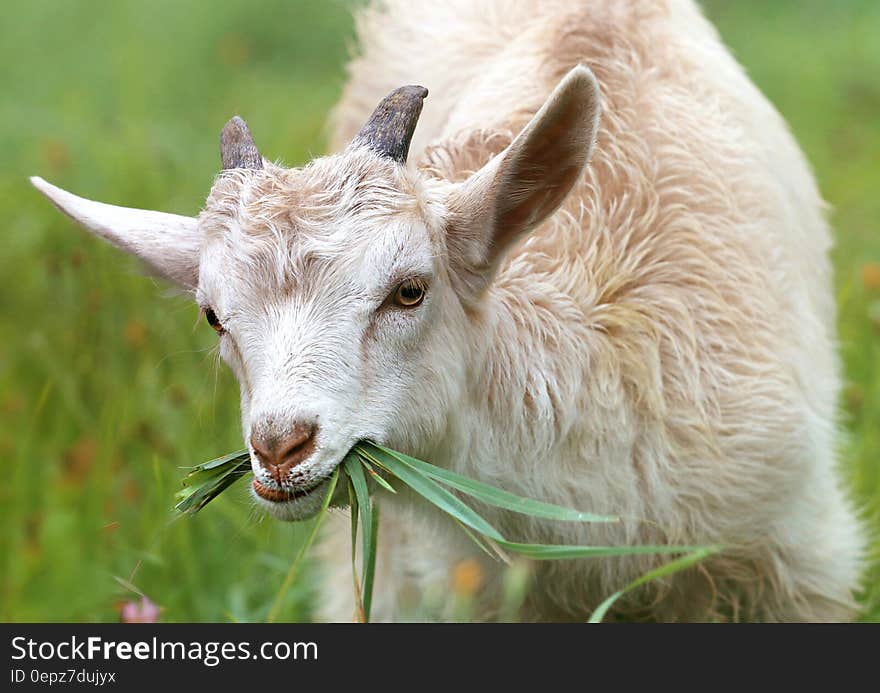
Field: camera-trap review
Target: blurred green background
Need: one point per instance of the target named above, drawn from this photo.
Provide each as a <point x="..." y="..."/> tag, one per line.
<point x="109" y="383"/>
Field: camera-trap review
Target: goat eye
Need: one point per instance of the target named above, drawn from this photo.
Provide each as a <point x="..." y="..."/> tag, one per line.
<point x="211" y="317"/>
<point x="409" y="294"/>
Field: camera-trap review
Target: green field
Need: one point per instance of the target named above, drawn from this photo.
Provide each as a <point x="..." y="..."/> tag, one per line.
<point x="109" y="384"/>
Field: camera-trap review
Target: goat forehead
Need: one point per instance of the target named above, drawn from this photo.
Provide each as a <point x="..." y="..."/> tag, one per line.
<point x="336" y="221"/>
<point x="327" y="201"/>
<point x="354" y="254"/>
<point x="274" y="199"/>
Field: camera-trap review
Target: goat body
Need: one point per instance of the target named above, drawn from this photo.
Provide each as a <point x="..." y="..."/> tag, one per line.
<point x="663" y="346"/>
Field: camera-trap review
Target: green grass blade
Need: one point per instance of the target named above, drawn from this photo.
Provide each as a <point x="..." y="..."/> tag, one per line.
<point x="491" y="549"/>
<point x="370" y="562"/>
<point x="240" y="456"/>
<point x="375" y="476"/>
<point x="208" y="480"/>
<point x="353" y="517"/>
<point x="355" y="471"/>
<point x="430" y="491"/>
<point x="303" y="550"/>
<point x="670" y="568"/>
<point x="557" y="552"/>
<point x="495" y="496"/>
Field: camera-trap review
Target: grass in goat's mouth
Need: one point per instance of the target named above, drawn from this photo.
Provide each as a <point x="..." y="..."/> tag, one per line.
<point x="368" y="461"/>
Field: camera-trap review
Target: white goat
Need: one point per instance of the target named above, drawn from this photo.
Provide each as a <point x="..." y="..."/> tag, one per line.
<point x="651" y="336"/>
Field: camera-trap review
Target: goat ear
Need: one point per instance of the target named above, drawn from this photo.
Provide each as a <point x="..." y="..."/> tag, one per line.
<point x="526" y="182"/>
<point x="168" y="243"/>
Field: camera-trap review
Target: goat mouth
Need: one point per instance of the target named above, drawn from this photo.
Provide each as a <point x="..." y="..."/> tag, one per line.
<point x="279" y="495"/>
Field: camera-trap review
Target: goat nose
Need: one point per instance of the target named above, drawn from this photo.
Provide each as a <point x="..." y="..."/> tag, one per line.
<point x="278" y="454"/>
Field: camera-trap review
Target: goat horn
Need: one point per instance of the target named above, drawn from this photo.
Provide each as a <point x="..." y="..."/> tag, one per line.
<point x="237" y="147"/>
<point x="389" y="130"/>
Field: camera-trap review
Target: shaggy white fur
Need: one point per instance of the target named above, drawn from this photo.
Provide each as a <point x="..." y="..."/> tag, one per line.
<point x="659" y="347"/>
